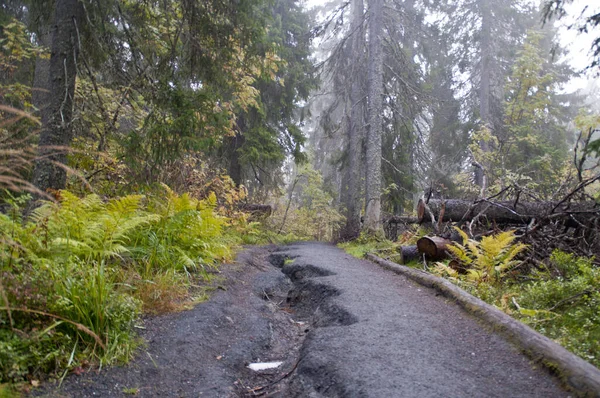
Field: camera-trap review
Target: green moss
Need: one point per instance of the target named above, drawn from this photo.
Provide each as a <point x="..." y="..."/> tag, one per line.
<point x="366" y="244"/>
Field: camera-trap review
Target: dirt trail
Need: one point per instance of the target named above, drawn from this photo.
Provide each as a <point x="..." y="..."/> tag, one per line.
<point x="343" y="327"/>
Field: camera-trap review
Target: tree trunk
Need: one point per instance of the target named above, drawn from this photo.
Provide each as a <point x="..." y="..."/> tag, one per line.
<point x="41" y="80"/>
<point x="485" y="87"/>
<point x="57" y="134"/>
<point x="355" y="130"/>
<point x="373" y="158"/>
<point x="235" y="166"/>
<point x="508" y="213"/>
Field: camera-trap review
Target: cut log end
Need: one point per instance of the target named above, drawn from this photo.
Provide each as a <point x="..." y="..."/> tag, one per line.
<point x="433" y="247"/>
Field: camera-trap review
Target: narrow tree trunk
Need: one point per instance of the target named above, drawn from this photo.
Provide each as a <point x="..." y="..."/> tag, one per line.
<point x="41" y="80"/>
<point x="235" y="166"/>
<point x="373" y="158"/>
<point x="485" y="87"/>
<point x="355" y="130"/>
<point x="56" y="134"/>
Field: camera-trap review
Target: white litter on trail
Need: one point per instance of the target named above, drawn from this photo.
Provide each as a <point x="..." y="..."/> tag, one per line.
<point x="258" y="366"/>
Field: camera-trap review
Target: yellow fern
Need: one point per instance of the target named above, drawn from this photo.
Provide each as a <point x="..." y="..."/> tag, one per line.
<point x="490" y="259"/>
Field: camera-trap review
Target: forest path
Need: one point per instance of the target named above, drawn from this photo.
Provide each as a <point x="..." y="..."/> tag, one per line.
<point x="382" y="335"/>
<point x="342" y="327"/>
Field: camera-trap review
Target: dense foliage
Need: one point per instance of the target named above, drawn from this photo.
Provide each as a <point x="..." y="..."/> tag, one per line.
<point x="77" y="273"/>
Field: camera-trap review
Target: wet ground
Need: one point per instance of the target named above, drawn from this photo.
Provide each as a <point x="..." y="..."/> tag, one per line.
<point x="342" y="327"/>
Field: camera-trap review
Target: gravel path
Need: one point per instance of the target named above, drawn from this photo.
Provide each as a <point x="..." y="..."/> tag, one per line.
<point x="387" y="337"/>
<point x="342" y="327"/>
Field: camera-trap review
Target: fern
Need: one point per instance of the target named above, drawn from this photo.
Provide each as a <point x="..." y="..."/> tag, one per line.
<point x="489" y="260"/>
<point x="89" y="258"/>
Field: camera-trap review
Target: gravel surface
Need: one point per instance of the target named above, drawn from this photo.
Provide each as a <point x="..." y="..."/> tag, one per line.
<point x="343" y="327"/>
<point x="384" y="336"/>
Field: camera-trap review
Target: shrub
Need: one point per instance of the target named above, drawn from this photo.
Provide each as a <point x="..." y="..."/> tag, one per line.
<point x="567" y="308"/>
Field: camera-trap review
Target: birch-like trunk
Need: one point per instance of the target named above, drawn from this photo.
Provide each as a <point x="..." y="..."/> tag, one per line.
<point x="485" y="87"/>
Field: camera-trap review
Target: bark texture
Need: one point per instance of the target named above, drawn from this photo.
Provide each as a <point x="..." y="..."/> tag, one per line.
<point x="41" y="80"/>
<point x="508" y="212"/>
<point x="234" y="143"/>
<point x="355" y="129"/>
<point x="57" y="134"/>
<point x="409" y="253"/>
<point x="373" y="157"/>
<point x="433" y="247"/>
<point x="485" y="86"/>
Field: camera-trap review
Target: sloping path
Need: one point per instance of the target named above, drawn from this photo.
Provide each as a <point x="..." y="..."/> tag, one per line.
<point x="384" y="336"/>
<point x="343" y="327"/>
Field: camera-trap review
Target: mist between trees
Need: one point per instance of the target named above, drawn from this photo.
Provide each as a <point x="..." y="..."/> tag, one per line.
<point x="391" y="98"/>
<point x="338" y="116"/>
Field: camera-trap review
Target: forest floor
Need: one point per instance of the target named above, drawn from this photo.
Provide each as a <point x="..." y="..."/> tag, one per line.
<point x="342" y="327"/>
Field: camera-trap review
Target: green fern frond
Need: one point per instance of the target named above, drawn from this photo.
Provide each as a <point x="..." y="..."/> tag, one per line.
<point x="491" y="258"/>
<point x="475" y="275"/>
<point x="461" y="253"/>
<point x="443" y="270"/>
<point x="124" y="206"/>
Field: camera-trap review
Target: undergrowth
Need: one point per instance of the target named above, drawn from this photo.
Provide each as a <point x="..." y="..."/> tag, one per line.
<point x="366" y="244"/>
<point x="561" y="302"/>
<point x="77" y="273"/>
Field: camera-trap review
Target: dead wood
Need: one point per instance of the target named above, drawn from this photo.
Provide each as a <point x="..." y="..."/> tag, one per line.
<point x="433" y="247"/>
<point x="509" y="212"/>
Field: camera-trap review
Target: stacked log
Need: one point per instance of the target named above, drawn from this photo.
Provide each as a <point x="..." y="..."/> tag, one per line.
<point x="579" y="215"/>
<point x="408" y="254"/>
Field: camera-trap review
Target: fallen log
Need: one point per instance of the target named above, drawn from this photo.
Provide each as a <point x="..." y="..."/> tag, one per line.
<point x="433" y="247"/>
<point x="402" y="220"/>
<point x="257" y="211"/>
<point x="507" y="212"/>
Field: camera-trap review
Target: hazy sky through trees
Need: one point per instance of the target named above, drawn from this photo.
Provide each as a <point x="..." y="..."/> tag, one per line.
<point x="577" y="44"/>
